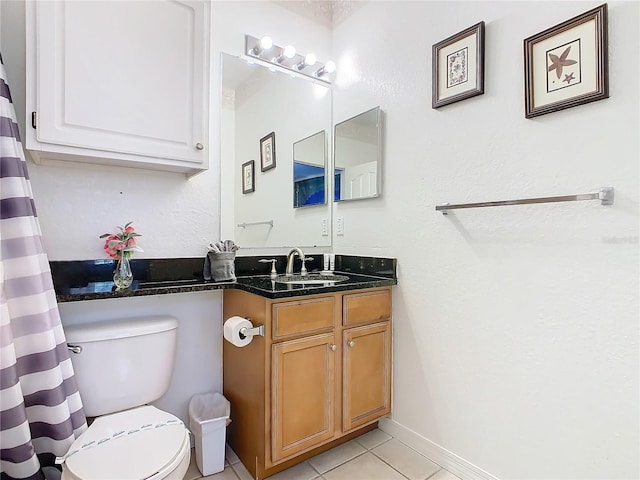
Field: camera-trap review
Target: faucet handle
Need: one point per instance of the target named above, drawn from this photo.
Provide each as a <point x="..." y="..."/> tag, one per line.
<point x="273" y="261"/>
<point x="303" y="270"/>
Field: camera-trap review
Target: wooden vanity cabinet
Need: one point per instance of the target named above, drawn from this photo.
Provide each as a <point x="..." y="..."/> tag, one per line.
<point x="320" y="376"/>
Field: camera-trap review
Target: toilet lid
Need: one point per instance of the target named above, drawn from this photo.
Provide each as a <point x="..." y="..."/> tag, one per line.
<point x="134" y="444"/>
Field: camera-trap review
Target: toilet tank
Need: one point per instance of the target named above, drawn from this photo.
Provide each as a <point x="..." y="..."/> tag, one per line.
<point x="124" y="363"/>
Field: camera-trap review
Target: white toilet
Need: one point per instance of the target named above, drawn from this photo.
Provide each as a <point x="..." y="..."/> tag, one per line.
<point x="120" y="367"/>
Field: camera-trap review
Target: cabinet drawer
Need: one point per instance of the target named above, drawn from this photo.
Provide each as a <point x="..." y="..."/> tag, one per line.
<point x="305" y="316"/>
<point x="366" y="307"/>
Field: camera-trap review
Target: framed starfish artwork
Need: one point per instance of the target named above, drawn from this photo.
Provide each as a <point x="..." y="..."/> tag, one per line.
<point x="566" y="65"/>
<point x="458" y="67"/>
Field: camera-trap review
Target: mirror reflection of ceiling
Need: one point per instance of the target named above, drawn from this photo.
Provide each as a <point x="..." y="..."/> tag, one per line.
<point x="328" y="13"/>
<point x="242" y="81"/>
<point x="361" y="128"/>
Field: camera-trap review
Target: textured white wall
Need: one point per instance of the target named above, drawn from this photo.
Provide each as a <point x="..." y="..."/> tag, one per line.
<point x="515" y="328"/>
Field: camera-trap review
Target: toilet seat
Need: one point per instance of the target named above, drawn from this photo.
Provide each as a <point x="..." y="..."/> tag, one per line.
<point x="142" y="443"/>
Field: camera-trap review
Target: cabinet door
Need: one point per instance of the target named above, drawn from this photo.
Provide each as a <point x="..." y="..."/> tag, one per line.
<point x="366" y="374"/>
<point x="302" y="394"/>
<point x="124" y="77"/>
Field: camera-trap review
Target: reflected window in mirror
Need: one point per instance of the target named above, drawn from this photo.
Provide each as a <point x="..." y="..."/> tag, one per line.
<point x="357" y="156"/>
<point x="309" y="167"/>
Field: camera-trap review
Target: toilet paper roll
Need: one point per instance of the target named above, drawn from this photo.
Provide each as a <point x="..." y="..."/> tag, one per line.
<point x="232" y="333"/>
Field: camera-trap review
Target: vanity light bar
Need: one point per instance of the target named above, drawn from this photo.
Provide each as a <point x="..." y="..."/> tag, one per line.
<point x="287" y="59"/>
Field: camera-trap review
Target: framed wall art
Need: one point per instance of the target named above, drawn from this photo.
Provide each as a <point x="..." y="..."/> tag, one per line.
<point x="268" y="152"/>
<point x="566" y="65"/>
<point x="249" y="177"/>
<point x="458" y="67"/>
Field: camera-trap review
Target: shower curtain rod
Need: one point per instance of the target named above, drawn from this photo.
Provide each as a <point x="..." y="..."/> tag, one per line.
<point x="605" y="195"/>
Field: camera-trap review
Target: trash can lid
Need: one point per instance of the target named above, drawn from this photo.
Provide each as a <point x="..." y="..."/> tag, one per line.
<point x="118" y="445"/>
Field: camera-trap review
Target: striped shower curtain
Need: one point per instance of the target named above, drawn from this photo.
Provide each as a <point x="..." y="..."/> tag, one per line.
<point x="40" y="408"/>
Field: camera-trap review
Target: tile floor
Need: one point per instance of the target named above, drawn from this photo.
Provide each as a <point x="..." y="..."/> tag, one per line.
<point x="372" y="456"/>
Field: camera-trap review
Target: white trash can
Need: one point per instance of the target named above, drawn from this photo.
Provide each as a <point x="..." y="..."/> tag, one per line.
<point x="208" y="419"/>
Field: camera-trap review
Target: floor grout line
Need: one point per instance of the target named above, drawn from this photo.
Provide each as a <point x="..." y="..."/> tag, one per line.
<point x="346" y="461"/>
<point x="435" y="473"/>
<point x="387" y="463"/>
<point x="320" y="475"/>
<point x="312" y="467"/>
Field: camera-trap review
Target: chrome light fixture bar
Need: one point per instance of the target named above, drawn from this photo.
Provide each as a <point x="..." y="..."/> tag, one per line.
<point x="287" y="58"/>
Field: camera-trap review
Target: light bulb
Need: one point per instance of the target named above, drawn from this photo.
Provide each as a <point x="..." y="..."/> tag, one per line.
<point x="310" y="59"/>
<point x="289" y="51"/>
<point x="328" y="68"/>
<point x="266" y="43"/>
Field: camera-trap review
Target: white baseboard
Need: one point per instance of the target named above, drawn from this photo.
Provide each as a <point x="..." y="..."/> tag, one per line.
<point x="434" y="452"/>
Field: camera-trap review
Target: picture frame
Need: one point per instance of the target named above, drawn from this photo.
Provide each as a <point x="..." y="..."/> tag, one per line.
<point x="458" y="66"/>
<point x="268" y="152"/>
<point x="248" y="177"/>
<point x="567" y="65"/>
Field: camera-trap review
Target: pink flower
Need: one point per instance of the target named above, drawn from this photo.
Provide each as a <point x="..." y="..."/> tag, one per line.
<point x="123" y="243"/>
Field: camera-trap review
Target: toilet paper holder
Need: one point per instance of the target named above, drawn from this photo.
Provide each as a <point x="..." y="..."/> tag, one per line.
<point x="250" y="332"/>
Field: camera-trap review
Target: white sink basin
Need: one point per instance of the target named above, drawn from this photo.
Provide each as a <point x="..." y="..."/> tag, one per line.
<point x="311" y="279"/>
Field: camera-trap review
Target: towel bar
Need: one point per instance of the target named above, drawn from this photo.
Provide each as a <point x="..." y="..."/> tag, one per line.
<point x="605" y="195"/>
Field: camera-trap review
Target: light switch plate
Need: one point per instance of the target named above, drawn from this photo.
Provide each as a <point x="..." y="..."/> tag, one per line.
<point x="340" y="226"/>
<point x="325" y="227"/>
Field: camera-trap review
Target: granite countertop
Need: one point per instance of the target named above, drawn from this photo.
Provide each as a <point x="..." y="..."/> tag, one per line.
<point x="91" y="279"/>
<point x="266" y="287"/>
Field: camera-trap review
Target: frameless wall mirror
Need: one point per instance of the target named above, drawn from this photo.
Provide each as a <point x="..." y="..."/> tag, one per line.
<point x="309" y="168"/>
<point x="357" y="156"/>
<point x="267" y="117"/>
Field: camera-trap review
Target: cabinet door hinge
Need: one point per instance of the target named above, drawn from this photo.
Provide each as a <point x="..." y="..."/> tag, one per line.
<point x="33" y="120"/>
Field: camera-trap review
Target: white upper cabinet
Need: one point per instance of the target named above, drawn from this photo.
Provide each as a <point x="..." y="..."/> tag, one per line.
<point x="119" y="83"/>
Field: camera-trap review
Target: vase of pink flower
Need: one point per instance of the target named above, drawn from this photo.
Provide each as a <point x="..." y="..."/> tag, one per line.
<point x="120" y="246"/>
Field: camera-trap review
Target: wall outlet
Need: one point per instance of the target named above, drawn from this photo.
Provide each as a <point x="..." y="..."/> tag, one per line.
<point x="340" y="226"/>
<point x="325" y="227"/>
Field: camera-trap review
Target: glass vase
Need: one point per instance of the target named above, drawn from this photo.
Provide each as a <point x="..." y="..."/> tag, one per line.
<point x="122" y="275"/>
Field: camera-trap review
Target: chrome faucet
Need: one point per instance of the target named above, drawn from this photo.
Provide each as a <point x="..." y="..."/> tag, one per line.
<point x="289" y="270"/>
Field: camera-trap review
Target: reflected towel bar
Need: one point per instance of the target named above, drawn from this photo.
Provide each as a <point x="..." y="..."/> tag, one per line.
<point x="605" y="195"/>
<point x="245" y="224"/>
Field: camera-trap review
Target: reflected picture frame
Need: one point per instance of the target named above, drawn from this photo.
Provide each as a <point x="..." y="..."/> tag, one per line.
<point x="248" y="177"/>
<point x="458" y="66"/>
<point x="567" y="65"/>
<point x="268" y="152"/>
